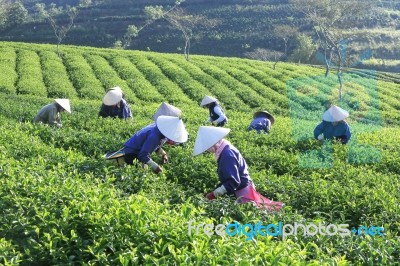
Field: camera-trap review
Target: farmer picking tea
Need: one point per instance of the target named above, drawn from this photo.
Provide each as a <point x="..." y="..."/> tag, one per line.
<point x="262" y="122"/>
<point x="50" y="114"/>
<point x="232" y="169"/>
<point x="114" y="105"/>
<point x="139" y="147"/>
<point x="333" y="125"/>
<point x="217" y="115"/>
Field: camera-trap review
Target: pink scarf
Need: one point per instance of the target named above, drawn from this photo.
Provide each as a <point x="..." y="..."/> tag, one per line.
<point x="220" y="147"/>
<point x="249" y="194"/>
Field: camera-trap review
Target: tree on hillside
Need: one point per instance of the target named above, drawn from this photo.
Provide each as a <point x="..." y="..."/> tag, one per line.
<point x="4" y="6"/>
<point x="304" y="50"/>
<point x="57" y="15"/>
<point x="265" y="55"/>
<point x="285" y="32"/>
<point x="186" y="23"/>
<point x="12" y="13"/>
<point x="177" y="17"/>
<point x="153" y="13"/>
<point x="331" y="18"/>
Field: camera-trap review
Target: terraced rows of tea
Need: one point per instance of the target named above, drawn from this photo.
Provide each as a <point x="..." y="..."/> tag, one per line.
<point x="61" y="203"/>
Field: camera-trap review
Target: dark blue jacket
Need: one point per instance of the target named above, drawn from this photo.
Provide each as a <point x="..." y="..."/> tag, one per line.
<point x="341" y="131"/>
<point x="123" y="111"/>
<point x="260" y="124"/>
<point x="232" y="170"/>
<point x="144" y="142"/>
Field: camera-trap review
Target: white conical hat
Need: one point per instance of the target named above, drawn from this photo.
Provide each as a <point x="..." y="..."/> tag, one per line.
<point x="172" y="128"/>
<point x="207" y="99"/>
<point x="335" y="114"/>
<point x="115" y="88"/>
<point x="113" y="96"/>
<point x="167" y="109"/>
<point x="207" y="137"/>
<point x="64" y="104"/>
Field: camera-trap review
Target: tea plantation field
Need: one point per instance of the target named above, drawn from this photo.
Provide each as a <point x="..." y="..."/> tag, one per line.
<point x="61" y="203"/>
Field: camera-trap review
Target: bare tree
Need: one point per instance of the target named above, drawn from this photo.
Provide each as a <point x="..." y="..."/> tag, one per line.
<point x="53" y="12"/>
<point x="265" y="55"/>
<point x="153" y="13"/>
<point x="285" y="32"/>
<point x="186" y="23"/>
<point x="177" y="17"/>
<point x="330" y="19"/>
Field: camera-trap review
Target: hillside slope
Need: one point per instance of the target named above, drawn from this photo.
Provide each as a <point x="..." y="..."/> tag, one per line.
<point x="243" y="26"/>
<point x="61" y="203"/>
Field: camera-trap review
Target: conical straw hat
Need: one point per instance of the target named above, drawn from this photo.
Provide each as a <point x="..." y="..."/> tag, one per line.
<point x="113" y="96"/>
<point x="207" y="137"/>
<point x="172" y="128"/>
<point x="115" y="88"/>
<point x="64" y="104"/>
<point x="167" y="109"/>
<point x="207" y="99"/>
<point x="265" y="113"/>
<point x="335" y="114"/>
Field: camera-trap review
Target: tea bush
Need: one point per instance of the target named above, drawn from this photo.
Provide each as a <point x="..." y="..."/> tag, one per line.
<point x="62" y="203"/>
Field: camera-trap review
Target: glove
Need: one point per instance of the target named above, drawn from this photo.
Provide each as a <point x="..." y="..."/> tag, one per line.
<point x="164" y="159"/>
<point x="219" y="191"/>
<point x="157" y="170"/>
<point x="154" y="166"/>
<point x="210" y="196"/>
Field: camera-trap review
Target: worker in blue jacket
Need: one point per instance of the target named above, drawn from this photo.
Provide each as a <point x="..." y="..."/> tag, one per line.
<point x="217" y="115"/>
<point x="149" y="139"/>
<point x="232" y="169"/>
<point x="262" y="122"/>
<point x="114" y="105"/>
<point x="333" y="126"/>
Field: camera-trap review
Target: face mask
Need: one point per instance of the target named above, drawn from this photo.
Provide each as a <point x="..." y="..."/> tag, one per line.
<point x="211" y="149"/>
<point x="171" y="142"/>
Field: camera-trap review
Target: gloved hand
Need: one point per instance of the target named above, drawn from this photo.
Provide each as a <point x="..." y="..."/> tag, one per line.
<point x="154" y="166"/>
<point x="164" y="158"/>
<point x="157" y="170"/>
<point x="210" y="196"/>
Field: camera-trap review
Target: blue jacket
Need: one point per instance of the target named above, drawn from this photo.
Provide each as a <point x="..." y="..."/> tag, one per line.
<point x="341" y="131"/>
<point x="259" y="124"/>
<point x="123" y="111"/>
<point x="144" y="142"/>
<point x="232" y="170"/>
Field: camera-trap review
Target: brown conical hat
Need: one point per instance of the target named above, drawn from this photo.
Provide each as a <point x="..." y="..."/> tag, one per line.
<point x="264" y="113"/>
